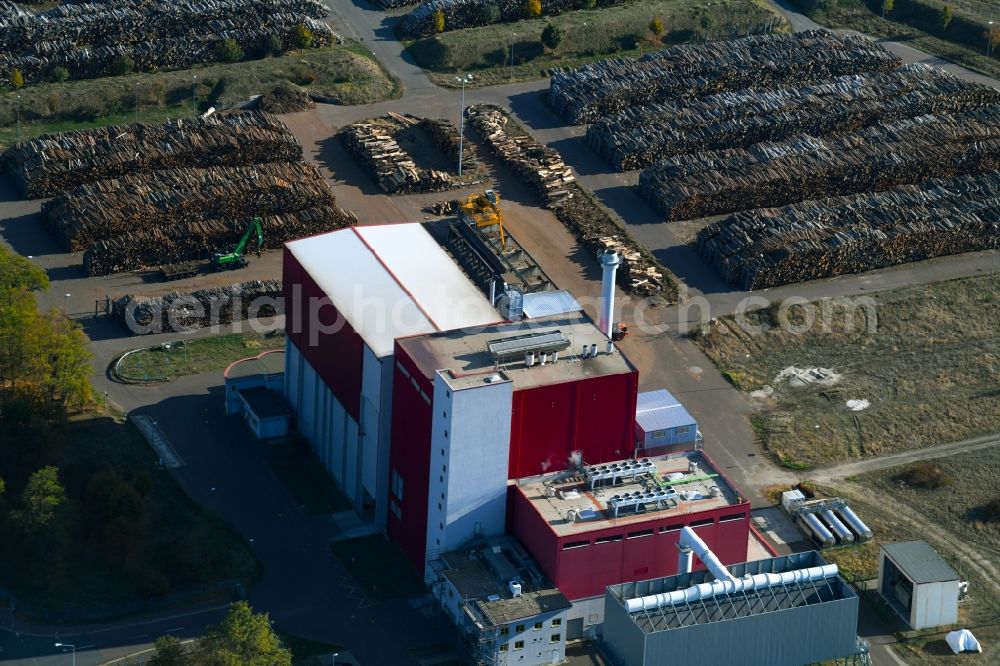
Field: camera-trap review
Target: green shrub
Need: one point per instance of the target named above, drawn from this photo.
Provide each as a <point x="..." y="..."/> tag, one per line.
<point x="228" y="50"/>
<point x="437" y="22"/>
<point x="489" y="14"/>
<point x="123" y="65"/>
<point x="302" y="74"/>
<point x="16" y="79"/>
<point x="657" y="27"/>
<point x="275" y="45"/>
<point x="552" y="36"/>
<point x="59" y="74"/>
<point x="301" y="37"/>
<point x="926" y="475"/>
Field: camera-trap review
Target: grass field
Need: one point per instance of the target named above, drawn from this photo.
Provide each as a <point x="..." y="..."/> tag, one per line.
<point x="195" y="356"/>
<point x="949" y="518"/>
<point x="180" y="544"/>
<point x="930" y="371"/>
<point x="917" y="23"/>
<point x="302" y="474"/>
<point x="347" y="73"/>
<point x="588" y="35"/>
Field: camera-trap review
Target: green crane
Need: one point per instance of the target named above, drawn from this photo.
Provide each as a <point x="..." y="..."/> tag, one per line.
<point x="235" y="259"/>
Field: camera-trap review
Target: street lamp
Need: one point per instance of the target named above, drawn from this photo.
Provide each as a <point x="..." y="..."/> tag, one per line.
<point x="512" y="36"/>
<point x="18" y="117"/>
<point x="71" y="646"/>
<point x="989" y="40"/>
<point x="194" y="92"/>
<point x="461" y="119"/>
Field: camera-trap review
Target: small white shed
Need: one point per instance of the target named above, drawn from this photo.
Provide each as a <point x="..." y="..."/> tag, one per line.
<point x="918" y="584"/>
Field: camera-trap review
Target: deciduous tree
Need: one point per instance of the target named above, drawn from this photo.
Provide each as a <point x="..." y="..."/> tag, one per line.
<point x="533" y="8"/>
<point x="437" y="22"/>
<point x="245" y="638"/>
<point x="552" y="36"/>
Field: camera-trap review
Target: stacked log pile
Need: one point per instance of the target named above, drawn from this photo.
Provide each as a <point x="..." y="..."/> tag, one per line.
<point x="180" y="312"/>
<point x="874" y="159"/>
<point x="611" y="86"/>
<point x="541" y="167"/>
<point x="51" y="163"/>
<point x="393" y="4"/>
<point x="638" y="137"/>
<point x="374" y="145"/>
<point x="193" y="241"/>
<point x="444" y="134"/>
<point x="460" y="14"/>
<point x="88" y="38"/>
<point x="817" y="239"/>
<point x="111" y="208"/>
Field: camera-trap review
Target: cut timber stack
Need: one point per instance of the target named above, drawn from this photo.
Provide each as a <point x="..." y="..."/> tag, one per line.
<point x="638" y="137"/>
<point x="611" y="86"/>
<point x="460" y="14"/>
<point x="179" y="312"/>
<point x="375" y="146"/>
<point x="193" y="241"/>
<point x="444" y="134"/>
<point x="775" y="174"/>
<point x="112" y="208"/>
<point x="543" y="168"/>
<point x="51" y="163"/>
<point x="817" y="239"/>
<point x="89" y="38"/>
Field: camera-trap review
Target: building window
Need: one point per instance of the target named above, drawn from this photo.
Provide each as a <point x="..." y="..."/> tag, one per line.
<point x="441" y="526"/>
<point x="700" y="523"/>
<point x="569" y="545"/>
<point x="442" y="452"/>
<point x="640" y="534"/>
<point x="518" y="645"/>
<point x="609" y="539"/>
<point x="555" y="638"/>
<point x="518" y="628"/>
<point x="504" y="631"/>
<point x="682" y="430"/>
<point x="670" y="528"/>
<point x="439" y="506"/>
<point x="503" y="647"/>
<point x="444" y="414"/>
<point x="659" y="434"/>
<point x="538" y="626"/>
<point x="445" y="433"/>
<point x="557" y="622"/>
<point x="731" y="517"/>
<point x="444" y="468"/>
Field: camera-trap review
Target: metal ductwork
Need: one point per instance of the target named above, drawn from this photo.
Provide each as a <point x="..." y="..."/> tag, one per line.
<point x="690" y="540"/>
<point x="720" y="587"/>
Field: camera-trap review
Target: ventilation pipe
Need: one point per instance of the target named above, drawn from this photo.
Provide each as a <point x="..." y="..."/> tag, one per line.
<point x="843" y="534"/>
<point x="690" y="543"/>
<point x="730" y="586"/>
<point x="855" y="523"/>
<point x="584" y="354"/>
<point x="593" y="351"/>
<point x="609" y="262"/>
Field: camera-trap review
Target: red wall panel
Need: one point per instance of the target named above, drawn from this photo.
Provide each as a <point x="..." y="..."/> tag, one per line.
<point x="623" y="553"/>
<point x="596" y="416"/>
<point x="410" y="456"/>
<point x="324" y="338"/>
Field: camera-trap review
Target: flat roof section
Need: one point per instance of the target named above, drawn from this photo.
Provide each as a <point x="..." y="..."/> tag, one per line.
<point x="465" y="353"/>
<point x="919" y="562"/>
<point x="267" y="363"/>
<point x="481" y="575"/>
<point x="265" y="403"/>
<point x="660" y="410"/>
<point x="646" y="489"/>
<point x="392" y="281"/>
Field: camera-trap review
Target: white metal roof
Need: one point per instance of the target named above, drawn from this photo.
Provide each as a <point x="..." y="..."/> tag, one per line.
<point x="392" y="281"/>
<point x="546" y="303"/>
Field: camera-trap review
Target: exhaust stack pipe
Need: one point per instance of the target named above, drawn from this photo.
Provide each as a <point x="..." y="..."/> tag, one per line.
<point x="609" y="262"/>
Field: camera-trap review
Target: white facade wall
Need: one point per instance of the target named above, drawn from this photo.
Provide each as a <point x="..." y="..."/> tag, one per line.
<point x="470" y="444"/>
<point x="588" y="614"/>
<point x="534" y="641"/>
<point x="934" y="604"/>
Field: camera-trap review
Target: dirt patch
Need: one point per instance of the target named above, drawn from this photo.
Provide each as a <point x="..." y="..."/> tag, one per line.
<point x="918" y="366"/>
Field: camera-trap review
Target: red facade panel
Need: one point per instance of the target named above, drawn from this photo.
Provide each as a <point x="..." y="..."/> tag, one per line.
<point x="323" y="337"/>
<point x="582" y="565"/>
<point x="595" y="416"/>
<point x="409" y="457"/>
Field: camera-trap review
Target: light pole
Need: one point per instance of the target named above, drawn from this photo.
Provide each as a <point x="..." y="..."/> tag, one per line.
<point x="19" y="117"/>
<point x="137" y="102"/>
<point x="71" y="646"/>
<point x="989" y="39"/>
<point x="512" y="36"/>
<point x="194" y="92"/>
<point x="461" y="120"/>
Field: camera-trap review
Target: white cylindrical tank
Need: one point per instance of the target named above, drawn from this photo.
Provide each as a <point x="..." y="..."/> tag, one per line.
<point x="817" y="529"/>
<point x="838" y="528"/>
<point x="609" y="263"/>
<point x="856" y="524"/>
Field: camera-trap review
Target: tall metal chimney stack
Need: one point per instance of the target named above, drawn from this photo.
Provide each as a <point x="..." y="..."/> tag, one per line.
<point x="609" y="262"/>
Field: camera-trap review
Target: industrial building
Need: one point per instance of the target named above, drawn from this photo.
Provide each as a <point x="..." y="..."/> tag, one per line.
<point x="603" y="525"/>
<point x="918" y="584"/>
<point x="507" y="612"/>
<point x="662" y="424"/>
<point x="503" y="402"/>
<point x="254" y="388"/>
<point x="348" y="295"/>
<point x="783" y="611"/>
